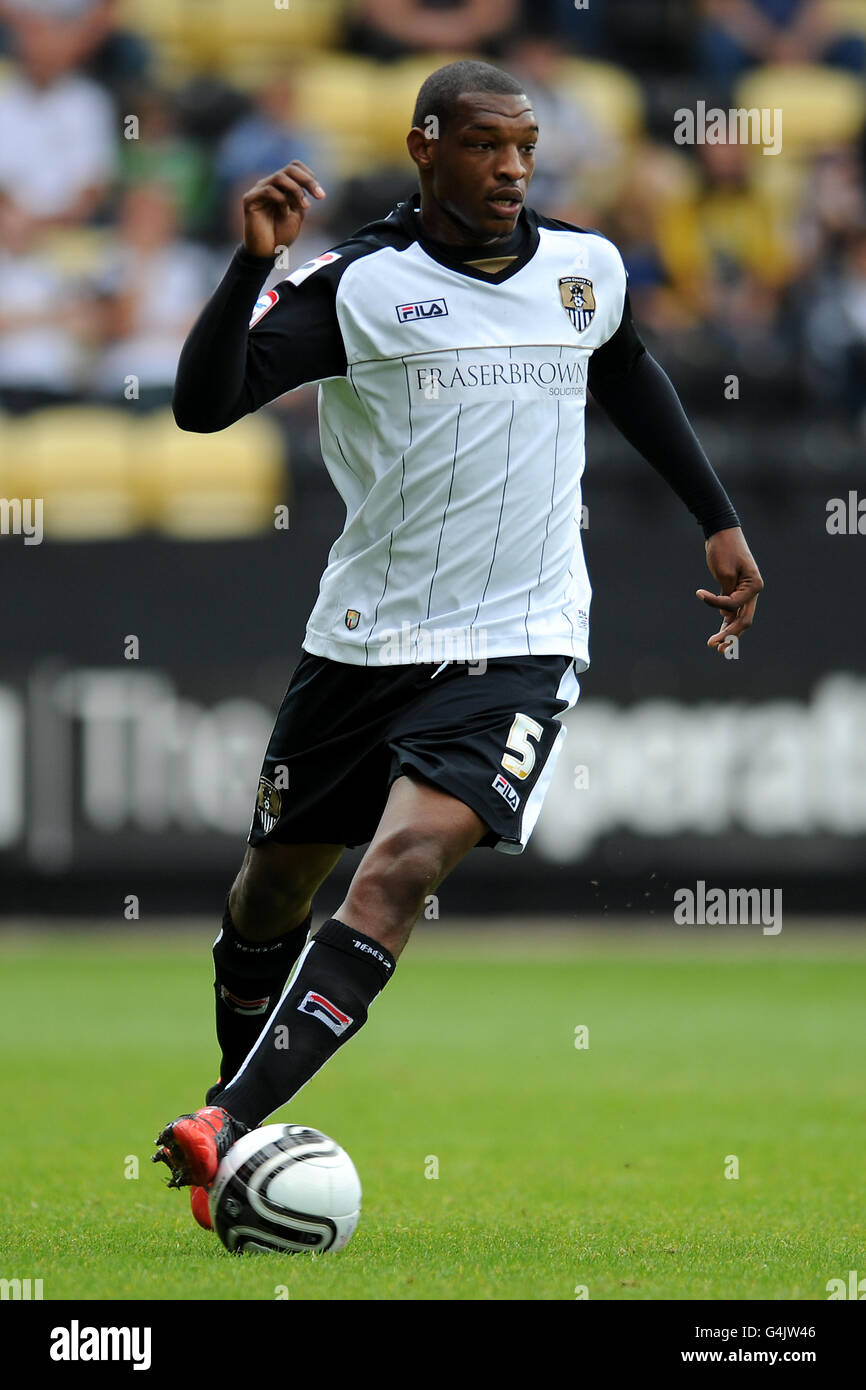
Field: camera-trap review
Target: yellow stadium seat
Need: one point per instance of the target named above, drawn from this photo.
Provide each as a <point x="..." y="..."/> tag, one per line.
<point x="79" y="460"/>
<point x="340" y="97"/>
<point x="820" y="106"/>
<point x="847" y="16"/>
<point x="13" y="454"/>
<point x="159" y="20"/>
<point x="214" y="485"/>
<point x="77" y="250"/>
<point x="276" y="26"/>
<point x="612" y="96"/>
<point x="397" y="87"/>
<point x="229" y="35"/>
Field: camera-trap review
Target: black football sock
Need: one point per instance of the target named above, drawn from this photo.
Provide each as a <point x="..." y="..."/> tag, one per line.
<point x="249" y="978"/>
<point x="340" y="975"/>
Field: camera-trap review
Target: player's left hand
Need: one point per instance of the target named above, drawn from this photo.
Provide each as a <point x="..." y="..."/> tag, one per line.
<point x="732" y="564"/>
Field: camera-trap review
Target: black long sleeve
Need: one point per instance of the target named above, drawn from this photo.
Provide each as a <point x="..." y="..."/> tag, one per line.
<point x="638" y="396"/>
<point x="227" y="369"/>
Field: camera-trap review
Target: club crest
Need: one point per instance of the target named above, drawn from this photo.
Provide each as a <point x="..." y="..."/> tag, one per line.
<point x="268" y="804"/>
<point x="578" y="300"/>
<point x="352" y="618"/>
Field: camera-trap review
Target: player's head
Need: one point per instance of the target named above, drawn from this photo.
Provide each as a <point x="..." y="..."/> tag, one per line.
<point x="473" y="139"/>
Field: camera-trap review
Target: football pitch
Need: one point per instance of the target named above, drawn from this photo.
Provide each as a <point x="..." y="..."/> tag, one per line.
<point x="534" y="1113"/>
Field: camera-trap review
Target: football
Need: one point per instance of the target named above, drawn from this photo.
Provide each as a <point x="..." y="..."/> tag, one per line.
<point x="285" y="1188"/>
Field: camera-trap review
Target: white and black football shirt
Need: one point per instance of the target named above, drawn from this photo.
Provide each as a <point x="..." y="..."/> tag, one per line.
<point x="451" y="411"/>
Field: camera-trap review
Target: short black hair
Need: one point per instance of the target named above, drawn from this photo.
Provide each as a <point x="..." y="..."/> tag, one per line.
<point x="439" y="94"/>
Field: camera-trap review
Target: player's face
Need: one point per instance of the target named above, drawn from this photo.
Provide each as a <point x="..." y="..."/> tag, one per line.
<point x="482" y="164"/>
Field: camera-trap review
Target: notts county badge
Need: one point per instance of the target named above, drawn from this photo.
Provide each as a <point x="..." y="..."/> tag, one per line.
<point x="353" y="617"/>
<point x="268" y="802"/>
<point x="578" y="300"/>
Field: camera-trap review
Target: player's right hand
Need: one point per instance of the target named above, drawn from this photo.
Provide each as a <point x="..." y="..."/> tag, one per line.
<point x="274" y="209"/>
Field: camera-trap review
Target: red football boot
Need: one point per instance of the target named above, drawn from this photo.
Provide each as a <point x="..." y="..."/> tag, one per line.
<point x="199" y="1202"/>
<point x="192" y="1145"/>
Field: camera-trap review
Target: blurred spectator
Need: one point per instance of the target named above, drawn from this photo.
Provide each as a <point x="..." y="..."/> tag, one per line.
<point x="576" y="30"/>
<point x="737" y="34"/>
<point x="655" y="179"/>
<point x="266" y="138"/>
<point x="388" y="29"/>
<point x="90" y="33"/>
<point x="835" y="330"/>
<point x="833" y="205"/>
<point x="43" y="320"/>
<point x="151" y="292"/>
<point x="724" y="247"/>
<point x="163" y="154"/>
<point x="573" y="151"/>
<point x="57" y="129"/>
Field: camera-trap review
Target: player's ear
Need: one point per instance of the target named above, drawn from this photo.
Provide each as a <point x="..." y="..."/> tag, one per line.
<point x="421" y="147"/>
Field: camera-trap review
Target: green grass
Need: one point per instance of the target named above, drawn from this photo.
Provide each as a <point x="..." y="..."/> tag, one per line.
<point x="557" y="1167"/>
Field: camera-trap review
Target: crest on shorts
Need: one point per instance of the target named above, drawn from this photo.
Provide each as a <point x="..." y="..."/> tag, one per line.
<point x="352" y="618"/>
<point x="268" y="804"/>
<point x="578" y="300"/>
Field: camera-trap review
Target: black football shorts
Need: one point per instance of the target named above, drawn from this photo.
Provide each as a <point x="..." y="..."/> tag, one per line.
<point x="487" y="733"/>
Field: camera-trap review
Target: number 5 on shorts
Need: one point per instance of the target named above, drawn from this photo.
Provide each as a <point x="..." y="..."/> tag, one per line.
<point x="522" y="730"/>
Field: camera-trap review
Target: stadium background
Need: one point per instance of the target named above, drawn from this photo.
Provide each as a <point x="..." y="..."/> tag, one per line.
<point x="127" y="133"/>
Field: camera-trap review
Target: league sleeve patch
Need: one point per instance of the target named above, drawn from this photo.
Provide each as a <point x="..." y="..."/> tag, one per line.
<point x="298" y="276"/>
<point x="264" y="302"/>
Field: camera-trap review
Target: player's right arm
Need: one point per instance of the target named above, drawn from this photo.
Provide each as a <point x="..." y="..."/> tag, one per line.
<point x="224" y="372"/>
<point x="275" y="207"/>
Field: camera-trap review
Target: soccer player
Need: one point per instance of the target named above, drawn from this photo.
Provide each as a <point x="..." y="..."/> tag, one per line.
<point x="454" y="341"/>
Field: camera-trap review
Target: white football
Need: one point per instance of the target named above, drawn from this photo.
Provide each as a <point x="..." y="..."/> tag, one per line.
<point x="286" y="1188"/>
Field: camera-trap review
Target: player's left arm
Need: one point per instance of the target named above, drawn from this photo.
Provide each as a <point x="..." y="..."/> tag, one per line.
<point x="638" y="396"/>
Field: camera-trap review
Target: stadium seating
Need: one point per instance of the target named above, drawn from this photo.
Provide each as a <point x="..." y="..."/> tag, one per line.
<point x="821" y="106"/>
<point x="230" y="37"/>
<point x="79" y="460"/>
<point x="612" y="95"/>
<point x="847" y="16"/>
<point x="209" y="486"/>
<point x="105" y="472"/>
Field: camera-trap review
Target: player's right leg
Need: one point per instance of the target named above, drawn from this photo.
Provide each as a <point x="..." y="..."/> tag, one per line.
<point x="265" y="927"/>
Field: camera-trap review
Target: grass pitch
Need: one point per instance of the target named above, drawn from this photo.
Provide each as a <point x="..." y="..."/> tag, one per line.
<point x="558" y="1166"/>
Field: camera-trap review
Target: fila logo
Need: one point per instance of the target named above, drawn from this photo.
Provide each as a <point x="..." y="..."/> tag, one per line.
<point x="320" y="1007"/>
<point x="427" y="309"/>
<point x="506" y="791"/>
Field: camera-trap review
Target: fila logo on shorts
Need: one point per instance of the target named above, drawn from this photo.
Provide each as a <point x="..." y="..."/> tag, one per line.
<point x="503" y="786"/>
<point x="320" y="1007"/>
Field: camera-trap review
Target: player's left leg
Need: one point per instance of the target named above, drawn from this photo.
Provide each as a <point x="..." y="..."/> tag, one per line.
<point x="422" y="836"/>
<point x="423" y="833"/>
